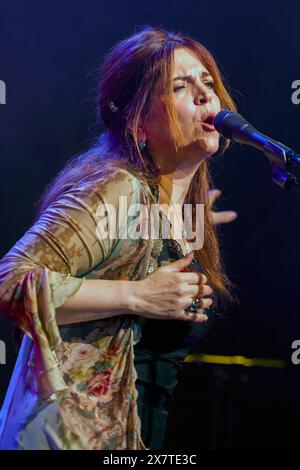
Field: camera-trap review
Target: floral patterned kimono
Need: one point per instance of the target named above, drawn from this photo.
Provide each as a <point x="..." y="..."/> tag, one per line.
<point x="73" y="386"/>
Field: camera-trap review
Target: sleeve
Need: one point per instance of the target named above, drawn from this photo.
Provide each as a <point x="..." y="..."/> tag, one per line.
<point x="47" y="265"/>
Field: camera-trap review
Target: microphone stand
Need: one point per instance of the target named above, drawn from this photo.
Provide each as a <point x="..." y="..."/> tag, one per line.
<point x="282" y="158"/>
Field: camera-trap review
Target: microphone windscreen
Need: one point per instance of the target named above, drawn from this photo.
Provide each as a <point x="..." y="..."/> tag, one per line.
<point x="225" y="121"/>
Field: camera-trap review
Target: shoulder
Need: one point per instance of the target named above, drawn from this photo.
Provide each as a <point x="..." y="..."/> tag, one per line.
<point x="108" y="175"/>
<point x="108" y="184"/>
<point x="116" y="180"/>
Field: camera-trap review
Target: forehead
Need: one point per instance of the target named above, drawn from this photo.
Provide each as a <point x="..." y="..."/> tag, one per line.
<point x="185" y="63"/>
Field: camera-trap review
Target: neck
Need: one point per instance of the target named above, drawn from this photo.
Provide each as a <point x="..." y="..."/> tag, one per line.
<point x="175" y="185"/>
<point x="173" y="188"/>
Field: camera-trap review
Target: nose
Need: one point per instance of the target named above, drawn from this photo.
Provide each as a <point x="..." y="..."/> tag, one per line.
<point x="203" y="96"/>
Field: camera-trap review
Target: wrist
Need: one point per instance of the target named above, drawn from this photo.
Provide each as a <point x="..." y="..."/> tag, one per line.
<point x="131" y="297"/>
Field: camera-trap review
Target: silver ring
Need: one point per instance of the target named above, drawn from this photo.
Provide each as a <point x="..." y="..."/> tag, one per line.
<point x="193" y="308"/>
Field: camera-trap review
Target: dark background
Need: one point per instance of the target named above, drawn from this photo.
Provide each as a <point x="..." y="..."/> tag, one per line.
<point x="49" y="56"/>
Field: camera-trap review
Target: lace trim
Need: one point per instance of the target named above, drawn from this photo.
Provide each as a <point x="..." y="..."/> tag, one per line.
<point x="155" y="252"/>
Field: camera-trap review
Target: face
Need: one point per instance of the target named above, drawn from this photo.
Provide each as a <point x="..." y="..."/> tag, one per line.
<point x="195" y="99"/>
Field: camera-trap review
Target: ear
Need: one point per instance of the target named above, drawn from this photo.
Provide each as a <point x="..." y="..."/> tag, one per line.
<point x="141" y="135"/>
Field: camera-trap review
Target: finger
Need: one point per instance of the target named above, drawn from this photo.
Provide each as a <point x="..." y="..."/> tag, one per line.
<point x="195" y="317"/>
<point x="202" y="278"/>
<point x="213" y="195"/>
<point x="179" y="264"/>
<point x="223" y="217"/>
<point x="188" y="316"/>
<point x="193" y="278"/>
<point x="205" y="303"/>
<point x="197" y="291"/>
<point x="204" y="290"/>
<point x="192" y="291"/>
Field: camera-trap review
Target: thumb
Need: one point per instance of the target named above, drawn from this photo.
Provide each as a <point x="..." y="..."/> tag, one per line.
<point x="181" y="263"/>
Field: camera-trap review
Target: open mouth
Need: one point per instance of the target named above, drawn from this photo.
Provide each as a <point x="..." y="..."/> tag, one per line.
<point x="208" y="123"/>
<point x="209" y="120"/>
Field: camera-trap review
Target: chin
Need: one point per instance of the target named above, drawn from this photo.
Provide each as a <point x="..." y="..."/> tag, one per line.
<point x="208" y="144"/>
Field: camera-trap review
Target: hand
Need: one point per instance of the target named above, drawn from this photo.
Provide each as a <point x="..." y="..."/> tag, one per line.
<point x="222" y="217"/>
<point x="164" y="294"/>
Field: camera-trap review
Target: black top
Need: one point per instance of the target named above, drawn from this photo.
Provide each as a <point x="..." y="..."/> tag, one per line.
<point x="158" y="357"/>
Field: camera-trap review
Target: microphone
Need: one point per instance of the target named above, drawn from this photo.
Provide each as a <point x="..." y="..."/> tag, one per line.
<point x="233" y="126"/>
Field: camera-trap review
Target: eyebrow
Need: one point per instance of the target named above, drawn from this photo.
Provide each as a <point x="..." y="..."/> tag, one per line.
<point x="189" y="77"/>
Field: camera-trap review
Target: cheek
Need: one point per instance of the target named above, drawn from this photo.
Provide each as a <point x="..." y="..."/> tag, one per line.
<point x="217" y="103"/>
<point x="185" y="113"/>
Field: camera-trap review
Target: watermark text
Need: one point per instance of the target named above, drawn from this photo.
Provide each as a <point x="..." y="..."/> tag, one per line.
<point x="296" y="94"/>
<point x="2" y="92"/>
<point x="2" y="352"/>
<point x="134" y="222"/>
<point x="296" y="354"/>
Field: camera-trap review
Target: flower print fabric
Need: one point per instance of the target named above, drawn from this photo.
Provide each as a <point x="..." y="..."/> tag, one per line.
<point x="73" y="386"/>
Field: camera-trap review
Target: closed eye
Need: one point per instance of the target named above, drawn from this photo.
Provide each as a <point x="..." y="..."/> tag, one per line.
<point x="179" y="87"/>
<point x="210" y="84"/>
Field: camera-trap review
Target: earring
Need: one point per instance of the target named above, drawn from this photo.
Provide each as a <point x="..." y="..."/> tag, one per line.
<point x="143" y="145"/>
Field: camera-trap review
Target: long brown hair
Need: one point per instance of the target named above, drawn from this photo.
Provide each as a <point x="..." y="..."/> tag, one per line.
<point x="128" y="77"/>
